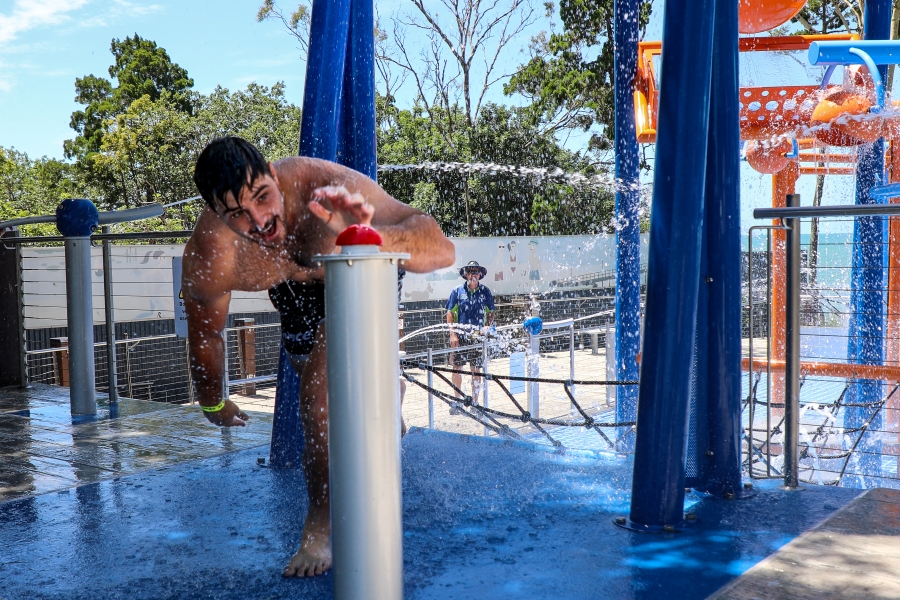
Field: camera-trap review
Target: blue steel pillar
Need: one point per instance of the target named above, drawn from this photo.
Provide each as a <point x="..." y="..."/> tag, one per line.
<point x="673" y="273"/>
<point x="720" y="348"/>
<point x="867" y="326"/>
<point x="628" y="241"/>
<point x="329" y="33"/>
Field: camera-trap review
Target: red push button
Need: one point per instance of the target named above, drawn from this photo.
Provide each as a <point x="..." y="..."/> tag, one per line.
<point x="359" y="235"/>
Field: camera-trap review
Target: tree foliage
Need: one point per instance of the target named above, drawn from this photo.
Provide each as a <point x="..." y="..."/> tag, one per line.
<point x="35" y="187"/>
<point x="569" y="78"/>
<point x="140" y="132"/>
<point x="141" y="68"/>
<point x="829" y="16"/>
<point x="506" y="197"/>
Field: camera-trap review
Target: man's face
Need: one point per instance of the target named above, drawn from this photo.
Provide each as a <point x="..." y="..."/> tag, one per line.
<point x="259" y="216"/>
<point x="472" y="276"/>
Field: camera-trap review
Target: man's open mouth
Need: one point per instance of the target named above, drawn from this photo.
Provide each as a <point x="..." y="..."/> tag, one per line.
<point x="269" y="231"/>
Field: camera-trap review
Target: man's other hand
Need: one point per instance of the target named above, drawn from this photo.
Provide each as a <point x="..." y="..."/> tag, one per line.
<point x="346" y="209"/>
<point x="231" y="415"/>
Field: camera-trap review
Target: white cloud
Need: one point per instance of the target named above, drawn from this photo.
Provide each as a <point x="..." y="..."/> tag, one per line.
<point x="29" y="14"/>
<point x="136" y="9"/>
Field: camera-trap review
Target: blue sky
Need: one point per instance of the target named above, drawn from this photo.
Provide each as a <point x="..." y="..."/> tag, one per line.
<point x="46" y="44"/>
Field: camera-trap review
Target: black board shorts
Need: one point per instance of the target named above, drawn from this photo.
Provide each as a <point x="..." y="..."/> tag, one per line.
<point x="302" y="308"/>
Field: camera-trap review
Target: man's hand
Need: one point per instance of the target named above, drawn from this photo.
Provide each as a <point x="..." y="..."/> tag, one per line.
<point x="454" y="341"/>
<point x="346" y="209"/>
<point x="230" y="416"/>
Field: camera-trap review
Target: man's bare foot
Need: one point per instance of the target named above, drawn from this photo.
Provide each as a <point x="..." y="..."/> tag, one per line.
<point x="314" y="556"/>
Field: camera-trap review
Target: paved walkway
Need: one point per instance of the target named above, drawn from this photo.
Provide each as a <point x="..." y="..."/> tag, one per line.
<point x="854" y="554"/>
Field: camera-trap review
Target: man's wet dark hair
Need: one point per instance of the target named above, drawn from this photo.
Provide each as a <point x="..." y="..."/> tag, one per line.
<point x="227" y="164"/>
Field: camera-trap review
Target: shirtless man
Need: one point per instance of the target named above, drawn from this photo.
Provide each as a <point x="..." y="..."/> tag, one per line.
<point x="262" y="227"/>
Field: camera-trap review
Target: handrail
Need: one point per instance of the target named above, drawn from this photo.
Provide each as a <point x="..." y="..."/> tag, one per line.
<point x="812" y="212"/>
<point x="145" y="235"/>
<point x="551" y="325"/>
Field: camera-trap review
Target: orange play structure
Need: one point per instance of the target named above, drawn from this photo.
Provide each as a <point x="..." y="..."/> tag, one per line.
<point x="755" y="16"/>
<point x="780" y="125"/>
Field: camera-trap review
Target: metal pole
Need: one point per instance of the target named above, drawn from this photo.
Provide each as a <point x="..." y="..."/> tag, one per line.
<point x="572" y="362"/>
<point x="79" y="311"/>
<point x="534" y="370"/>
<point x="792" y="352"/>
<point x="113" y="381"/>
<point x="364" y="422"/>
<point x="611" y="371"/>
<point x="20" y="291"/>
<point x="628" y="237"/>
<point x="484" y="381"/>
<point x="128" y="379"/>
<point x="430" y="395"/>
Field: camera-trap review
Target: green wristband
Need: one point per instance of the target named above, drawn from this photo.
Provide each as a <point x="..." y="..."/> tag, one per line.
<point x="215" y="408"/>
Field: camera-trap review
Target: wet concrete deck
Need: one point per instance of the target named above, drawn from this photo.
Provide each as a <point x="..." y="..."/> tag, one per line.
<point x="854" y="554"/>
<point x="43" y="450"/>
<point x="149" y="501"/>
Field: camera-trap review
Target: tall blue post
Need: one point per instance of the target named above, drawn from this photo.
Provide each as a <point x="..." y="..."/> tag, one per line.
<point x="322" y="95"/>
<point x="867" y="326"/>
<point x="356" y="144"/>
<point x="721" y="281"/>
<point x="628" y="240"/>
<point x="673" y="272"/>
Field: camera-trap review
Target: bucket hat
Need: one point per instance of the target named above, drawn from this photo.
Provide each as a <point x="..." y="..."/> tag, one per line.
<point x="472" y="265"/>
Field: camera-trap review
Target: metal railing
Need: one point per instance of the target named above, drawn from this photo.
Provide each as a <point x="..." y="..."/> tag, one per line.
<point x="545" y="360"/>
<point x="157" y="368"/>
<point x="827" y="419"/>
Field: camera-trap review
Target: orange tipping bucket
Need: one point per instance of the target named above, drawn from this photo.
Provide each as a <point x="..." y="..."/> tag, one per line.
<point x="757" y="16"/>
<point x="841" y="118"/>
<point x="768" y="159"/>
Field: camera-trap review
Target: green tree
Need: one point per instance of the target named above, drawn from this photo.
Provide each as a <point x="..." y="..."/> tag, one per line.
<point x="511" y="172"/>
<point x="140" y="68"/>
<point x="149" y="151"/>
<point x="259" y="114"/>
<point x="569" y="77"/>
<point x="35" y="187"/>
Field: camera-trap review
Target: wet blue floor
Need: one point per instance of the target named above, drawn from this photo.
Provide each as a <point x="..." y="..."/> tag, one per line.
<point x="482" y="519"/>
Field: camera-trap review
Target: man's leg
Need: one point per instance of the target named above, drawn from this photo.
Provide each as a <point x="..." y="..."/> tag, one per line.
<point x="456" y="378"/>
<point x="476" y="382"/>
<point x="314" y="555"/>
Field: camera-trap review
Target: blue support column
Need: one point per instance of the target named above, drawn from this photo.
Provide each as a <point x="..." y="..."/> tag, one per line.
<point x="329" y="32"/>
<point x="867" y="326"/>
<point x="356" y="144"/>
<point x="673" y="272"/>
<point x="628" y="240"/>
<point x="722" y="278"/>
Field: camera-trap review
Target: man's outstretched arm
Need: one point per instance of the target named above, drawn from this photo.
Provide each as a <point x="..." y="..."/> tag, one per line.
<point x="402" y="227"/>
<point x="206" y="321"/>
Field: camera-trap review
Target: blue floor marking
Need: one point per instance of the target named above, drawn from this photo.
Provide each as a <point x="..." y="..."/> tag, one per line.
<point x="483" y="518"/>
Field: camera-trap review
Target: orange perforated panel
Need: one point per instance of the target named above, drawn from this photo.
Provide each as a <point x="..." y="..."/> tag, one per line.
<point x="771" y="111"/>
